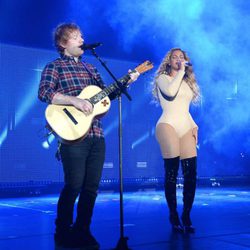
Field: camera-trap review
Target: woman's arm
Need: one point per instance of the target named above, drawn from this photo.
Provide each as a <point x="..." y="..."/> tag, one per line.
<point x="168" y="85"/>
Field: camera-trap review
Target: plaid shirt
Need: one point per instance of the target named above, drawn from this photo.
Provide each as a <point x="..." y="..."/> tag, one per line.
<point x="68" y="77"/>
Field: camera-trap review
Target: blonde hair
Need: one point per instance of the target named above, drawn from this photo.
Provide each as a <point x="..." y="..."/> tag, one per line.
<point x="189" y="76"/>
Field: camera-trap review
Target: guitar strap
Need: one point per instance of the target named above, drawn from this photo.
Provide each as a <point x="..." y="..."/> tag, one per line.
<point x="90" y="74"/>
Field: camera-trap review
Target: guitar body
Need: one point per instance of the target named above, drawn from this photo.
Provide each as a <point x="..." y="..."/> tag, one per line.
<point x="71" y="124"/>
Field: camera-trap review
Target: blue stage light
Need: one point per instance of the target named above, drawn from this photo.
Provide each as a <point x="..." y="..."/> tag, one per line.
<point x="140" y="140"/>
<point x="3" y="136"/>
<point x="50" y="139"/>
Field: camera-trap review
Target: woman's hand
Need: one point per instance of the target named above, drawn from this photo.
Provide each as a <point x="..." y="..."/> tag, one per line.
<point x="195" y="134"/>
<point x="182" y="65"/>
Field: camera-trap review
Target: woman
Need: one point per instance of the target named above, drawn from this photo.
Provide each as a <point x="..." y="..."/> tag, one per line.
<point x="175" y="87"/>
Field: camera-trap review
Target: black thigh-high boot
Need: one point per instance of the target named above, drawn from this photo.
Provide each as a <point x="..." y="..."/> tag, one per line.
<point x="171" y="171"/>
<point x="189" y="167"/>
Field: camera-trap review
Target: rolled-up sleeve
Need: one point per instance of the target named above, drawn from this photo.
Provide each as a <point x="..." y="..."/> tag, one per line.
<point x="48" y="84"/>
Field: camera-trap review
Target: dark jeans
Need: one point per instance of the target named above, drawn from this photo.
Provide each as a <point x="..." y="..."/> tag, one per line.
<point x="82" y="165"/>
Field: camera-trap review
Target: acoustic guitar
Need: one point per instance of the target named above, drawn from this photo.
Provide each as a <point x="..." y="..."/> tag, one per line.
<point x="71" y="124"/>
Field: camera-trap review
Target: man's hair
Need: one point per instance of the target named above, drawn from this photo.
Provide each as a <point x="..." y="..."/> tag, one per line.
<point x="62" y="33"/>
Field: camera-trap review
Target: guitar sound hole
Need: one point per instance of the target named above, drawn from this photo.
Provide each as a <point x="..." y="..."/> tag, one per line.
<point x="71" y="117"/>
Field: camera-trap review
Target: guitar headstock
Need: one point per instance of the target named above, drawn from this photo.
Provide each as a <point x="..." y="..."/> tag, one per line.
<point x="144" y="67"/>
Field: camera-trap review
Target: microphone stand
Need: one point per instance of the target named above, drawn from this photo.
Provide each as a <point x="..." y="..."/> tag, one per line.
<point x="122" y="243"/>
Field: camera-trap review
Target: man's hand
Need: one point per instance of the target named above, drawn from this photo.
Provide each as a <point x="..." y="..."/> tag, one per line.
<point x="133" y="75"/>
<point x="84" y="105"/>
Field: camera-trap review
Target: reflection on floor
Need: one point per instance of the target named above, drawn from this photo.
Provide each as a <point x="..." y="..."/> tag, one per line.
<point x="221" y="217"/>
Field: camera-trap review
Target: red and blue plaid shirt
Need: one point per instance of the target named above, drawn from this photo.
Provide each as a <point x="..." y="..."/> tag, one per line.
<point x="66" y="76"/>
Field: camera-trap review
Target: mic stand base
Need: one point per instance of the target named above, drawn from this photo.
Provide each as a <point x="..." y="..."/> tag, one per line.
<point x="122" y="244"/>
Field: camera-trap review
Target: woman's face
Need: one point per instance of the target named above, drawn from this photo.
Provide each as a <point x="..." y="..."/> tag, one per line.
<point x="176" y="58"/>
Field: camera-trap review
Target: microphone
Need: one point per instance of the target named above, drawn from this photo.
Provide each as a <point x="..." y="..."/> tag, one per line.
<point x="90" y="46"/>
<point x="188" y="64"/>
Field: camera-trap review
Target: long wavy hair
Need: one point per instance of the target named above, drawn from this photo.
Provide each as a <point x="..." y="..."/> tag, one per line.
<point x="189" y="76"/>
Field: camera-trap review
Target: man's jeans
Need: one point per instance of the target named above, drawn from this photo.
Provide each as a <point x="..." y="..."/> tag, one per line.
<point x="82" y="165"/>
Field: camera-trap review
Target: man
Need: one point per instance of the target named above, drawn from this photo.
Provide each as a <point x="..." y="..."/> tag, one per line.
<point x="61" y="82"/>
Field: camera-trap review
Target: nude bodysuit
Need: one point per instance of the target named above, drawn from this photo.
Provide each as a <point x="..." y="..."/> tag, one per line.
<point x="175" y="111"/>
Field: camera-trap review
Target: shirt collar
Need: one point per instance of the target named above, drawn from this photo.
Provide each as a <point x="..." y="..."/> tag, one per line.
<point x="69" y="58"/>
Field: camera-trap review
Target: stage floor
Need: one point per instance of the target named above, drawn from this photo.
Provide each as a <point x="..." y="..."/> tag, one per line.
<point x="221" y="217"/>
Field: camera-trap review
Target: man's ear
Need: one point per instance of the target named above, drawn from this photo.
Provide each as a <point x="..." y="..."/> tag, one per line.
<point x="62" y="45"/>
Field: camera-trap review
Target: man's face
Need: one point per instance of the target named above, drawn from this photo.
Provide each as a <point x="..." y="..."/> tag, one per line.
<point x="72" y="45"/>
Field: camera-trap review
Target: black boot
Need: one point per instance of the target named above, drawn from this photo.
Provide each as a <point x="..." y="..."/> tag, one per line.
<point x="81" y="227"/>
<point x="171" y="170"/>
<point x="65" y="207"/>
<point x="189" y="167"/>
<point x="63" y="238"/>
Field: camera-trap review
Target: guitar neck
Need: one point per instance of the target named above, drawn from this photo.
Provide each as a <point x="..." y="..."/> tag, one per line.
<point x="122" y="82"/>
<point x="108" y="90"/>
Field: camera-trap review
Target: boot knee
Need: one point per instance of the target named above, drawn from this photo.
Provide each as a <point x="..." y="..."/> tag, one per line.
<point x="189" y="168"/>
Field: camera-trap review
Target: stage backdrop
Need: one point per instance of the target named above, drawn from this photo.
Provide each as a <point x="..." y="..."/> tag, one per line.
<point x="27" y="156"/>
